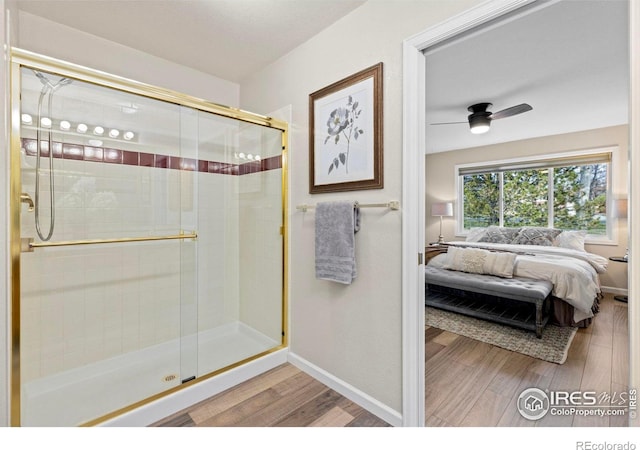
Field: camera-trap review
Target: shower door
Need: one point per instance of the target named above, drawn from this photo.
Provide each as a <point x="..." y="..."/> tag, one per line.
<point x="101" y="321"/>
<point x="240" y="241"/>
<point x="152" y="246"/>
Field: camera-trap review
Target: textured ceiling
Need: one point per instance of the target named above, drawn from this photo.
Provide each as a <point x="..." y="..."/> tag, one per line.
<point x="568" y="60"/>
<point x="230" y="39"/>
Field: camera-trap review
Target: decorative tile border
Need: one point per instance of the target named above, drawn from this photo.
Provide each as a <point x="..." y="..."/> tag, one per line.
<point x="115" y="156"/>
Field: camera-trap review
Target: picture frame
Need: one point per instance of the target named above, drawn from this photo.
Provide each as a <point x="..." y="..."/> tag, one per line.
<point x="345" y="134"/>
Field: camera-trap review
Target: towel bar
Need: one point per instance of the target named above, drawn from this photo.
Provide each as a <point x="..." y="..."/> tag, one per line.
<point x="28" y="245"/>
<point x="394" y="204"/>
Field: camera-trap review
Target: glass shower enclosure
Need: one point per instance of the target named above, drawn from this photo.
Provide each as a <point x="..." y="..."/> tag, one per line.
<point x="147" y="241"/>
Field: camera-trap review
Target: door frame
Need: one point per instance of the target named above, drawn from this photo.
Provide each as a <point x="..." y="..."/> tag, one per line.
<point x="413" y="193"/>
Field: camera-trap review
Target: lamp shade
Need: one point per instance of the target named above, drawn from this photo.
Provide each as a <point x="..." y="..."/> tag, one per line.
<point x="442" y="209"/>
<point x="621" y="208"/>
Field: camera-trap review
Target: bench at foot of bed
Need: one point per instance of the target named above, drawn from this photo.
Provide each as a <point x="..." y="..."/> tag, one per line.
<point x="519" y="302"/>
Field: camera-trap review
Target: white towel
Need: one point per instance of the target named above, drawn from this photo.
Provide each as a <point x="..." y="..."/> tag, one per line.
<point x="336" y="225"/>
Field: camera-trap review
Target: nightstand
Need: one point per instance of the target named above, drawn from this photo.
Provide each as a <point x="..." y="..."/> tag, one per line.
<point x="622" y="259"/>
<point x="432" y="250"/>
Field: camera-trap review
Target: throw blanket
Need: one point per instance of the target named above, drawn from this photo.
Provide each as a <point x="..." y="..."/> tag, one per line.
<point x="574" y="273"/>
<point x="476" y="260"/>
<point x="336" y="225"/>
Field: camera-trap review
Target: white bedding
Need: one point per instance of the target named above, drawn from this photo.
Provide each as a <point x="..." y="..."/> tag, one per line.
<point x="574" y="273"/>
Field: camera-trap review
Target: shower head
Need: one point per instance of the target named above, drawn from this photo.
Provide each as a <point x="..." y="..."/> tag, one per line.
<point x="48" y="84"/>
<point x="62" y="82"/>
<point x="44" y="80"/>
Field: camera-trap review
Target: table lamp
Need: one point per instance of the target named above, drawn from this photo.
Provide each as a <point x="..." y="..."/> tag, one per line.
<point x="442" y="210"/>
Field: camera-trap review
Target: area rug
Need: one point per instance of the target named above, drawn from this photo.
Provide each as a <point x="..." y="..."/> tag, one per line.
<point x="552" y="347"/>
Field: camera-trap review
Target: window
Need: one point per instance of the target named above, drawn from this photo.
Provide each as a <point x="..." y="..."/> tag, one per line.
<point x="569" y="193"/>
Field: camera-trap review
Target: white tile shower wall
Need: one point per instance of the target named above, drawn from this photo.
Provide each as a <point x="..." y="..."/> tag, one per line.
<point x="99" y="200"/>
<point x="217" y="250"/>
<point x="84" y="304"/>
<point x="85" y="310"/>
<point x="261" y="252"/>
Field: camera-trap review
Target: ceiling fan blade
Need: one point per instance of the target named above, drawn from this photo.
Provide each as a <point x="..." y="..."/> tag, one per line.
<point x="518" y="109"/>
<point x="448" y="123"/>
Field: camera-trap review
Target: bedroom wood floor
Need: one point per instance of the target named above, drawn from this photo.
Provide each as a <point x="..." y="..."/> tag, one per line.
<point x="470" y="383"/>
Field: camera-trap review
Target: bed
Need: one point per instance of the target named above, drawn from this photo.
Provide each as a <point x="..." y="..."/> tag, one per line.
<point x="534" y="253"/>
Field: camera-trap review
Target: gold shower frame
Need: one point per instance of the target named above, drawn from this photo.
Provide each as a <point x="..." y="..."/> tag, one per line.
<point x="20" y="58"/>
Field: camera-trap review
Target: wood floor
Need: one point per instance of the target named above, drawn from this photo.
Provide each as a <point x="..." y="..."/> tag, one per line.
<point x="282" y="397"/>
<point x="467" y="383"/>
<point x="470" y="383"/>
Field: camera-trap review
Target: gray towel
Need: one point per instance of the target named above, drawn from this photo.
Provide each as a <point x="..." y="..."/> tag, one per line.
<point x="336" y="225"/>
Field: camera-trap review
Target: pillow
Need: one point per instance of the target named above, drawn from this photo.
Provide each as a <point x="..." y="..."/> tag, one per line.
<point x="499" y="235"/>
<point x="536" y="236"/>
<point x="477" y="260"/>
<point x="475" y="234"/>
<point x="571" y="239"/>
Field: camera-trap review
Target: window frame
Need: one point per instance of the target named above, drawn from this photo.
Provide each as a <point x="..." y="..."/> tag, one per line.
<point x="609" y="238"/>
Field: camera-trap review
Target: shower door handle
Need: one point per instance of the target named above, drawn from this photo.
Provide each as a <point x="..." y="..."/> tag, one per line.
<point x="26" y="198"/>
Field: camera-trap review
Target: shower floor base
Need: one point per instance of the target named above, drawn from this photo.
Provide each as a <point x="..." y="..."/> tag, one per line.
<point x="86" y="393"/>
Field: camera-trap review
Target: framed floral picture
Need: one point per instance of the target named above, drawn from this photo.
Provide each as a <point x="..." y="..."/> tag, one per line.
<point x="345" y="134"/>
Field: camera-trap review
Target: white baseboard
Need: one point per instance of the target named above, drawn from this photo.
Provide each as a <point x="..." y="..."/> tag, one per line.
<point x="369" y="403"/>
<point x="171" y="404"/>
<point x="614" y="290"/>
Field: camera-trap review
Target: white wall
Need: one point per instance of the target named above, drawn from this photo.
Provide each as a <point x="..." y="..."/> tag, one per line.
<point x="352" y="332"/>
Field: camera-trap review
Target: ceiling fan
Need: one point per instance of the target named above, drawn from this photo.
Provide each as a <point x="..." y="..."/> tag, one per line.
<point x="480" y="119"/>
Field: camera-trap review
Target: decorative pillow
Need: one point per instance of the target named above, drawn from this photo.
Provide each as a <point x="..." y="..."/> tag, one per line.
<point x="499" y="235"/>
<point x="475" y="234"/>
<point x="536" y="236"/>
<point x="571" y="239"/>
<point x="477" y="260"/>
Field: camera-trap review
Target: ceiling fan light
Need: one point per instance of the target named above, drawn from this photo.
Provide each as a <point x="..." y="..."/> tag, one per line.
<point x="479" y="129"/>
<point x="479" y="123"/>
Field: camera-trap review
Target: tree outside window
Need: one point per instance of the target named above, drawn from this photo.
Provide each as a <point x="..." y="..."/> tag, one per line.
<point x="578" y="194"/>
<point x="526" y="198"/>
<point x="481" y="200"/>
<point x="580" y="201"/>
